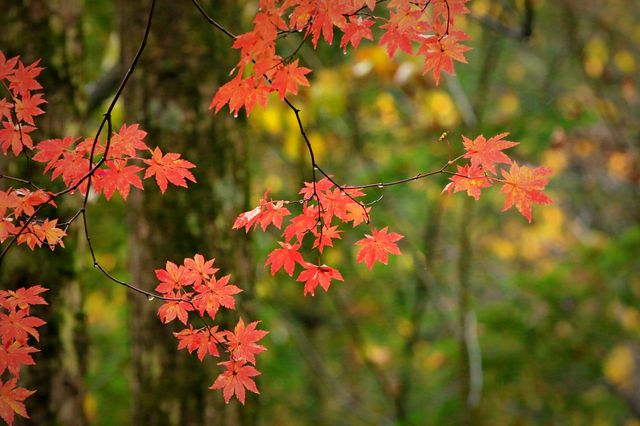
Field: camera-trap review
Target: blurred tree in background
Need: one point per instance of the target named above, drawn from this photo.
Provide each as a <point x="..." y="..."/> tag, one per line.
<point x="483" y="320"/>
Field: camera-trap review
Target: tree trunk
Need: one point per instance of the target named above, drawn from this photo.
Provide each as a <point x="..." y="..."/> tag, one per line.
<point x="58" y="376"/>
<point x="184" y="61"/>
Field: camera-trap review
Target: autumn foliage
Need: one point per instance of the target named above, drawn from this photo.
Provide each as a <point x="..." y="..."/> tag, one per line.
<point x="117" y="160"/>
<point x="194" y="288"/>
<point x="17" y="328"/>
<point x="425" y="27"/>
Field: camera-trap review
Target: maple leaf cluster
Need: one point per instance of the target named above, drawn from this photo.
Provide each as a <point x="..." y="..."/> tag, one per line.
<point x="16" y="207"/>
<point x="323" y="204"/>
<point x="17" y="327"/>
<point x="521" y="185"/>
<point x="70" y="159"/>
<point x="423" y="27"/>
<point x="194" y="287"/>
<point x="108" y="165"/>
<point x="17" y="112"/>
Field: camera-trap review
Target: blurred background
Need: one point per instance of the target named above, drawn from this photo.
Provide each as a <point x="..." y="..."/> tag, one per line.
<point x="484" y="319"/>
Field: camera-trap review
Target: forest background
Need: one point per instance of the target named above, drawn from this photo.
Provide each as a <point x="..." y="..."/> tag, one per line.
<point x="484" y="319"/>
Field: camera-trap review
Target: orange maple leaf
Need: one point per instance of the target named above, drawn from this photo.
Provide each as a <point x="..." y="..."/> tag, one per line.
<point x="242" y="341"/>
<point x="486" y="153"/>
<point x="314" y="275"/>
<point x="287" y="256"/>
<point x="523" y="187"/>
<point x="470" y="179"/>
<point x="288" y="77"/>
<point x="235" y="380"/>
<point x="169" y="168"/>
<point x="377" y="246"/>
<point x="441" y="51"/>
<point x="11" y="398"/>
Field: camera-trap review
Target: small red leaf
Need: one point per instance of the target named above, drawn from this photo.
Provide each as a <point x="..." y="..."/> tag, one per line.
<point x="169" y="168"/>
<point x="314" y="275"/>
<point x="377" y="246"/>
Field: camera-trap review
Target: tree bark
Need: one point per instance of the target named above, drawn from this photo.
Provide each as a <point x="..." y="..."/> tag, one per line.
<point x="185" y="60"/>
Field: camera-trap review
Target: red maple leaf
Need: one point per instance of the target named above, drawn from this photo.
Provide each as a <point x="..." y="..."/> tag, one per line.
<point x="247" y="219"/>
<point x="523" y="187"/>
<point x="126" y="141"/>
<point x="11" y="398"/>
<point x="15" y="137"/>
<point x="5" y="106"/>
<point x="18" y="325"/>
<point x="315" y="275"/>
<point x="27" y="106"/>
<point x="172" y="278"/>
<point x="355" y="31"/>
<point x="401" y="30"/>
<point x="288" y="77"/>
<point x="326" y="237"/>
<point x="355" y="213"/>
<point x="213" y="294"/>
<point x="268" y="212"/>
<point x="311" y="188"/>
<point x="13" y="355"/>
<point x="286" y="257"/>
<point x="32" y="235"/>
<point x="242" y="341"/>
<point x="7" y="65"/>
<point x="271" y="212"/>
<point x="328" y="13"/>
<point x="117" y="176"/>
<point x="51" y="234"/>
<point x="203" y="340"/>
<point x="37" y="234"/>
<point x="377" y="246"/>
<point x="235" y="380"/>
<point x="87" y="145"/>
<point x="470" y="179"/>
<point x="6" y="228"/>
<point x="448" y="8"/>
<point x="27" y="201"/>
<point x="169" y="168"/>
<point x="241" y="92"/>
<point x="226" y="93"/>
<point x="173" y="309"/>
<point x="486" y="153"/>
<point x="9" y="200"/>
<point x="23" y="297"/>
<point x="336" y="203"/>
<point x="73" y="166"/>
<point x="199" y="269"/>
<point x="303" y="12"/>
<point x="23" y="79"/>
<point x="440" y="52"/>
<point x="301" y="224"/>
<point x="50" y="150"/>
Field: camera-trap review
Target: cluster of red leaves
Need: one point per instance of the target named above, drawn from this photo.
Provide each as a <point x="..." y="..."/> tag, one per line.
<point x="16" y="207"/>
<point x="17" y="326"/>
<point x="70" y="159"/>
<point x="322" y="205"/>
<point x="194" y="287"/>
<point x="522" y="185"/>
<point x="406" y="24"/>
<point x="23" y="104"/>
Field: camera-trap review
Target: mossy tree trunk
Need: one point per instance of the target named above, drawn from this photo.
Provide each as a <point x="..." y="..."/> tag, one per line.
<point x="183" y="63"/>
